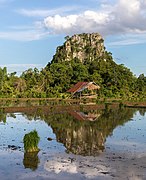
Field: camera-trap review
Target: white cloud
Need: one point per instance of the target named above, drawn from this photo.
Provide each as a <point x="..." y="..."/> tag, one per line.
<point x="88" y="167"/>
<point x="121" y="18"/>
<point x="85" y="22"/>
<point x="128" y="39"/>
<point x="33" y="32"/>
<point x="47" y="12"/>
<point x="23" y="35"/>
<point x="61" y="23"/>
<point x="35" y="12"/>
<point x="109" y="18"/>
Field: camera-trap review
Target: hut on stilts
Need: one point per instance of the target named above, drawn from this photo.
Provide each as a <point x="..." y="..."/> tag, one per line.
<point x="89" y="87"/>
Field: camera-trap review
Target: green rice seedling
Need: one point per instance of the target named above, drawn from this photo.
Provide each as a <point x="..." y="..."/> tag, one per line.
<point x="31" y="141"/>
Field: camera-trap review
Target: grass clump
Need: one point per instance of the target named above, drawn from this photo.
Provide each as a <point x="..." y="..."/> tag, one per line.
<point x="31" y="141"/>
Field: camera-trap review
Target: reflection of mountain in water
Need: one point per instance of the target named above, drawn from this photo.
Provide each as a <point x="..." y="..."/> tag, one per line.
<point x="83" y="132"/>
<point x="2" y="116"/>
<point x="79" y="135"/>
<point x="84" y="137"/>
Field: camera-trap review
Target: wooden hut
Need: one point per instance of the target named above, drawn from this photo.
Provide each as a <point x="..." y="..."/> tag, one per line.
<point x="81" y="86"/>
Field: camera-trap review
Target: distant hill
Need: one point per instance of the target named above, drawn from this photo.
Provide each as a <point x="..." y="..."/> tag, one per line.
<point x="81" y="58"/>
<point x="82" y="47"/>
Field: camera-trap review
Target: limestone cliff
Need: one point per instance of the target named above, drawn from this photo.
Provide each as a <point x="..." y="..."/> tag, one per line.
<point x="82" y="47"/>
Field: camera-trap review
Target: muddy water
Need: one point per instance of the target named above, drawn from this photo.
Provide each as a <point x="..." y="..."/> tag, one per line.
<point x="96" y="144"/>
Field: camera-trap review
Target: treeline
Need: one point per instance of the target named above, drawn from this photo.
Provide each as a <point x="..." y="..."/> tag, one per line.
<point x="57" y="77"/>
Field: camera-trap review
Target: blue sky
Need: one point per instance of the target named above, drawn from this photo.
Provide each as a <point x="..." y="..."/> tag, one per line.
<point x="30" y="30"/>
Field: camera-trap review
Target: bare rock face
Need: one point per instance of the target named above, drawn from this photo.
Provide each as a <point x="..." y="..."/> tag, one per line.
<point x="82" y="47"/>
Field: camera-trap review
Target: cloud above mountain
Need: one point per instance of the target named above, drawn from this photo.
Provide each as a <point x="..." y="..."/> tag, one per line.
<point x="127" y="19"/>
<point x="122" y="17"/>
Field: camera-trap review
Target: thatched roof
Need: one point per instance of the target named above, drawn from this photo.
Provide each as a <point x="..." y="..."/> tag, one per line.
<point x="80" y="86"/>
<point x="92" y="86"/>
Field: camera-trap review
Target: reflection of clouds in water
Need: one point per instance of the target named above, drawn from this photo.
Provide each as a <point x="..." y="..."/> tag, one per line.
<point x="58" y="165"/>
<point x="133" y="146"/>
<point x="127" y="143"/>
<point x="88" y="167"/>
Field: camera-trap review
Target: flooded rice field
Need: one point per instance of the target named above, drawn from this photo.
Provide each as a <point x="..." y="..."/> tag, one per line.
<point x="91" y="145"/>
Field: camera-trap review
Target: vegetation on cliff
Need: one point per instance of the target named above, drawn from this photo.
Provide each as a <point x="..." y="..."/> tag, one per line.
<point x="82" y="57"/>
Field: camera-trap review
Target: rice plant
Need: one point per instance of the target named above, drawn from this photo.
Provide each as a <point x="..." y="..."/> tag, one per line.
<point x="31" y="141"/>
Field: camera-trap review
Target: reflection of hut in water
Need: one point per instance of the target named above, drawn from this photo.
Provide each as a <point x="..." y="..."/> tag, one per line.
<point x="85" y="116"/>
<point x="78" y="88"/>
<point x="81" y="137"/>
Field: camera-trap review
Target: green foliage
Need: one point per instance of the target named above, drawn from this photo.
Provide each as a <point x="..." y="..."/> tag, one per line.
<point x="60" y="74"/>
<point x="31" y="141"/>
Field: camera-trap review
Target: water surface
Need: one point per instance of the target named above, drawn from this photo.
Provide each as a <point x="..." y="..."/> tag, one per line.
<point x="94" y="144"/>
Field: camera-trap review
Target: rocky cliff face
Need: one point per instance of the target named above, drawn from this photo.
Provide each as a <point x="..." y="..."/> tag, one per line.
<point x="81" y="47"/>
